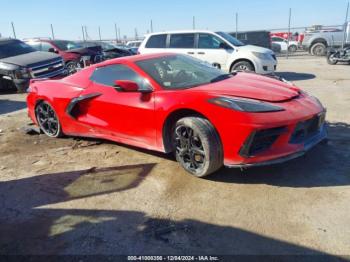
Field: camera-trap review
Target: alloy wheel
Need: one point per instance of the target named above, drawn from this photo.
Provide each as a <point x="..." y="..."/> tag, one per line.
<point x="243" y="68"/>
<point x="189" y="148"/>
<point x="47" y="119"/>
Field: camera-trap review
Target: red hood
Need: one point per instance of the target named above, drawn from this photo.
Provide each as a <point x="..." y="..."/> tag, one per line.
<point x="252" y="86"/>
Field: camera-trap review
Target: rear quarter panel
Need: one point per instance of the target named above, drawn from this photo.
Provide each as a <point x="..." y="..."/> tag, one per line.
<point x="58" y="94"/>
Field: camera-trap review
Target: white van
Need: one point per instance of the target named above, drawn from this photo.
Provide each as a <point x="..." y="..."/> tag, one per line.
<point x="219" y="49"/>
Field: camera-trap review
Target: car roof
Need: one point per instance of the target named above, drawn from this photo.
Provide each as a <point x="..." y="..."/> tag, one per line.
<point x="182" y="32"/>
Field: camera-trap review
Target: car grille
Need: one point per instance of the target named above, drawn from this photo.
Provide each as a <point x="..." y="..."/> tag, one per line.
<point x="261" y="140"/>
<point x="307" y="129"/>
<point x="47" y="70"/>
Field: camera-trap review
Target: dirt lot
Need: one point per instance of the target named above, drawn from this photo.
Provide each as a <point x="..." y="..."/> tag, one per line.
<point x="77" y="196"/>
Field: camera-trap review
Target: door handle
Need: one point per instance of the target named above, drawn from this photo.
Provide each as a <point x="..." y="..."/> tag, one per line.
<point x="201" y="53"/>
<point x="190" y="53"/>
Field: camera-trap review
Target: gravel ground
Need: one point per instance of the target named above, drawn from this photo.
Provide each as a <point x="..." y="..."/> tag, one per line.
<point x="78" y="196"/>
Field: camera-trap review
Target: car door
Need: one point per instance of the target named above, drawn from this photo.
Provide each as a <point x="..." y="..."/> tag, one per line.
<point x="182" y="44"/>
<point x="126" y="117"/>
<point x="213" y="50"/>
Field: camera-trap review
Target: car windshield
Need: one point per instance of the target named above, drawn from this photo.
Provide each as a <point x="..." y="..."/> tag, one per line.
<point x="181" y="72"/>
<point x="234" y="41"/>
<point x="67" y="45"/>
<point x="13" y="48"/>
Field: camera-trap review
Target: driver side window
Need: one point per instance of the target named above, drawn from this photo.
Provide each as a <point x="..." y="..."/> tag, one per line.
<point x="107" y="75"/>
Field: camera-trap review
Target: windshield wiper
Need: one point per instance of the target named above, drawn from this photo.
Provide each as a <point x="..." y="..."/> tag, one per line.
<point x="222" y="77"/>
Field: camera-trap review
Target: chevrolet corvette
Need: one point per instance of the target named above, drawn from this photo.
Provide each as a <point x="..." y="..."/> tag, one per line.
<point x="175" y="103"/>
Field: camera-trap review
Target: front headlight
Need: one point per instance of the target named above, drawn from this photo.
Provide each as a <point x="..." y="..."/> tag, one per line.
<point x="263" y="56"/>
<point x="22" y="73"/>
<point x="245" y="105"/>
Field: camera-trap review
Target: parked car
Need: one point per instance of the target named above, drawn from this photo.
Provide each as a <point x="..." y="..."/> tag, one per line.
<point x="291" y="46"/>
<point x="134" y="44"/>
<point x="20" y="62"/>
<point x="219" y="49"/>
<point x="317" y="42"/>
<point x="176" y="103"/>
<point x="109" y="51"/>
<point x="74" y="54"/>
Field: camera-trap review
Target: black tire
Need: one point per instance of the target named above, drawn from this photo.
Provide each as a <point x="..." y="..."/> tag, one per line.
<point x="243" y="66"/>
<point x="71" y="67"/>
<point x="48" y="120"/>
<point x="330" y="59"/>
<point x="292" y="48"/>
<point x="197" y="146"/>
<point x="319" y="49"/>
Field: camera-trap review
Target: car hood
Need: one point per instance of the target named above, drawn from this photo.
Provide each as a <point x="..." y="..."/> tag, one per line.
<point x="253" y="86"/>
<point x="29" y="58"/>
<point x="254" y="48"/>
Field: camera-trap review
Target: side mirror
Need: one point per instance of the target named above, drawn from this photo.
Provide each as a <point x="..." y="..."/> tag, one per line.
<point x="127" y="86"/>
<point x="131" y="86"/>
<point x="53" y="50"/>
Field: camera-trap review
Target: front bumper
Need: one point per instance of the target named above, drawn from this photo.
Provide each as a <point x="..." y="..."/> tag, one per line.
<point x="265" y="67"/>
<point x="308" y="145"/>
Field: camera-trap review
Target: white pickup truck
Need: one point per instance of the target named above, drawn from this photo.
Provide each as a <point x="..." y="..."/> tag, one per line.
<point x="318" y="42"/>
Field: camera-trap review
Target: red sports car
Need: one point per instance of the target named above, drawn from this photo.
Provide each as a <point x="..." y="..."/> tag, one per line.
<point x="175" y="103"/>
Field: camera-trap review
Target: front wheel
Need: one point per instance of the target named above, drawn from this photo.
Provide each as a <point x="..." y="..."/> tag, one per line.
<point x="331" y="59"/>
<point x="197" y="146"/>
<point x="319" y="49"/>
<point x="48" y="120"/>
<point x="72" y="67"/>
<point x="243" y="66"/>
<point x="292" y="48"/>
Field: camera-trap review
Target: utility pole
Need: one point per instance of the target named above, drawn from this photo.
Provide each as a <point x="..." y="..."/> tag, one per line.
<point x="116" y="33"/>
<point x="86" y="34"/>
<point x="136" y="35"/>
<point x="53" y="35"/>
<point x="290" y="16"/>
<point x="236" y="25"/>
<point x="345" y="25"/>
<point x="151" y="26"/>
<point x="194" y="23"/>
<point x="99" y="33"/>
<point x="120" y="37"/>
<point x="82" y="29"/>
<point x="13" y="30"/>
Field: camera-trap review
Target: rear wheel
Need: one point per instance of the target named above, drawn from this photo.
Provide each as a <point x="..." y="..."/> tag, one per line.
<point x="319" y="49"/>
<point x="48" y="120"/>
<point x="197" y="146"/>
